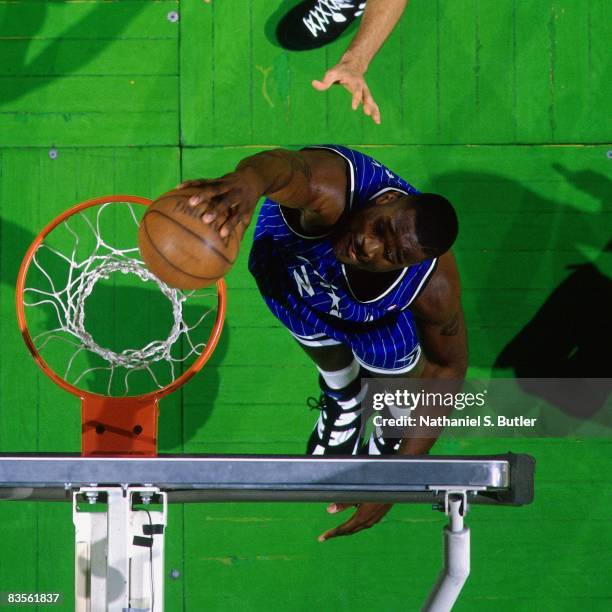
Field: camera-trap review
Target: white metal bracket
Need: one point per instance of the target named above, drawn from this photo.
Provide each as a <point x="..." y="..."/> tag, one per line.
<point x="456" y="553"/>
<point x="119" y="549"/>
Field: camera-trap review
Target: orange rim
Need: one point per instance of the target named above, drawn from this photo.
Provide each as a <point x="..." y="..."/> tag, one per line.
<point x="195" y="367"/>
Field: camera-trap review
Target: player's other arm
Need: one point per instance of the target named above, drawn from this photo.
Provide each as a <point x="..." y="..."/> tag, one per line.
<point x="378" y="21"/>
<point x="442" y="335"/>
<point x="443" y="338"/>
<point x="312" y="180"/>
<point x="440" y="322"/>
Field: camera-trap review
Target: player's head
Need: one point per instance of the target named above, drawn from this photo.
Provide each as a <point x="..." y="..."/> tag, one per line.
<point x="397" y="230"/>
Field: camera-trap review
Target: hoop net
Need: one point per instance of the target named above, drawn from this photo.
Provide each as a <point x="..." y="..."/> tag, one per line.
<point x="77" y="286"/>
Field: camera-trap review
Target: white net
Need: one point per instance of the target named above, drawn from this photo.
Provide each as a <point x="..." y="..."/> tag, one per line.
<point x="75" y="262"/>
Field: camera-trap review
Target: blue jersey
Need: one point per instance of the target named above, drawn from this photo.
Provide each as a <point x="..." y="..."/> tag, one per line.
<point x="308" y="289"/>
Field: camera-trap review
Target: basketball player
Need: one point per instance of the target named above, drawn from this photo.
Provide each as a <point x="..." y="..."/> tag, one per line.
<point x="355" y="262"/>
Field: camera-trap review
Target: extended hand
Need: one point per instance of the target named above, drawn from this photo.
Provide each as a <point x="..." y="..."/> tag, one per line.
<point x="228" y="201"/>
<point x="366" y="516"/>
<point x="353" y="81"/>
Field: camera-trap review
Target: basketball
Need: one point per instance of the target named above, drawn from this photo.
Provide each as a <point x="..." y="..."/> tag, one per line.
<point x="179" y="248"/>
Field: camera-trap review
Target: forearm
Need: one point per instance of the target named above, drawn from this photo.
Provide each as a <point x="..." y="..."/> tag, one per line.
<point x="453" y="370"/>
<point x="377" y="23"/>
<point x="445" y="347"/>
<point x="419" y="439"/>
<point x="446" y="362"/>
<point x="279" y="174"/>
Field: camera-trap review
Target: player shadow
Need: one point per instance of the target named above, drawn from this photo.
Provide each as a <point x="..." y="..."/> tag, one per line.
<point x="180" y="418"/>
<point x="580" y="307"/>
<point x="43" y="62"/>
<point x="565" y="335"/>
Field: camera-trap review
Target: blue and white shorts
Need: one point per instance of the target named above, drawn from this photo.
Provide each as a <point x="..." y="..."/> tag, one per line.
<point x="386" y="346"/>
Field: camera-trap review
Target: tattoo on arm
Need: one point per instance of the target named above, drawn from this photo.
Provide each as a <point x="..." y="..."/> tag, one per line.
<point x="451" y="328"/>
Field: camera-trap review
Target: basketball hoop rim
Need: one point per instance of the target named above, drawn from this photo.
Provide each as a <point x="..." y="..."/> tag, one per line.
<point x="195" y="367"/>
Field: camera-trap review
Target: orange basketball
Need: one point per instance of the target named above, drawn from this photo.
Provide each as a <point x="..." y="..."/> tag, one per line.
<point x="179" y="248"/>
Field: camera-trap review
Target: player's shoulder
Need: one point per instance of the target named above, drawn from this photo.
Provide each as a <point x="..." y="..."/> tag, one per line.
<point x="357" y="160"/>
<point x="371" y="176"/>
<point x="334" y="155"/>
<point x="441" y="298"/>
<point x="366" y="177"/>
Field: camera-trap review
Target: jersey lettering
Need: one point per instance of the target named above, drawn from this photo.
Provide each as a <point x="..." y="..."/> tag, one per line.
<point x="303" y="282"/>
<point x="335" y="305"/>
<point x="334" y="309"/>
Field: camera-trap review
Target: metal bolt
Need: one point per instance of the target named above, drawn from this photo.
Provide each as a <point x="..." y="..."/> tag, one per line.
<point x="175" y="574"/>
<point x="92" y="496"/>
<point x="53" y="153"/>
<point x="172" y="16"/>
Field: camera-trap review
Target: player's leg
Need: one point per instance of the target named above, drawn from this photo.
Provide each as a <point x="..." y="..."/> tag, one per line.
<point x="377" y="442"/>
<point x="331" y="358"/>
<point x="391" y="351"/>
<point x="338" y="427"/>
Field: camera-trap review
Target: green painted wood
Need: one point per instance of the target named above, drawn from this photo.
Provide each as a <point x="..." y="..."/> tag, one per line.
<point x="91" y="19"/>
<point x="20" y="402"/>
<point x="599" y="68"/>
<point x="455" y="74"/>
<point x="126" y="111"/>
<point x="79" y="74"/>
<point x="283" y="100"/>
<point x="456" y="80"/>
<point x="73" y="129"/>
<point x="476" y="71"/>
<point x="533" y="71"/>
<point x="98" y="95"/>
<point x="232" y="92"/>
<point x="197" y="95"/>
<point x="125" y="56"/>
<point x="494" y="77"/>
<point x="569" y="25"/>
<point x="420" y="60"/>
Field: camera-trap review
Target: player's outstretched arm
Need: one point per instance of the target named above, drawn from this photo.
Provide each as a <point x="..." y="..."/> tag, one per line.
<point x="443" y="337"/>
<point x="313" y="180"/>
<point x="440" y="322"/>
<point x="378" y="21"/>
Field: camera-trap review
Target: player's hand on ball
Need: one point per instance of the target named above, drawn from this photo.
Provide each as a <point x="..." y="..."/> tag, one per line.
<point x="227" y="201"/>
<point x="352" y="79"/>
<point x="366" y="516"/>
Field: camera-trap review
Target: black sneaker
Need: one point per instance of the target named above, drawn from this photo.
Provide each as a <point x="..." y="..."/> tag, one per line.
<point x="338" y="428"/>
<point x="315" y="23"/>
<point x="377" y="445"/>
